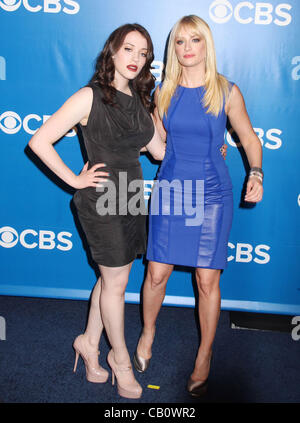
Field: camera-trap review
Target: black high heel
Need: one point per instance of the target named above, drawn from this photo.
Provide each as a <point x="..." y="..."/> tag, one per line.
<point x="198" y="388"/>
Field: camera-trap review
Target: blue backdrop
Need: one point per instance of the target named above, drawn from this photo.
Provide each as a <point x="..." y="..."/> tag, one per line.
<point x="48" y="51"/>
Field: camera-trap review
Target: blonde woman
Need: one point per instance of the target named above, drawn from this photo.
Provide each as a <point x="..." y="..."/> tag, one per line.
<point x="193" y="104"/>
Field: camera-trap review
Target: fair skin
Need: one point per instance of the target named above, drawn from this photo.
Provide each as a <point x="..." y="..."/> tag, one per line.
<point x="107" y="302"/>
<point x="191" y="51"/>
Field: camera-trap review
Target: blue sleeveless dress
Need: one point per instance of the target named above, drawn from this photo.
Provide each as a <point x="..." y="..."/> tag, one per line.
<point x="191" y="208"/>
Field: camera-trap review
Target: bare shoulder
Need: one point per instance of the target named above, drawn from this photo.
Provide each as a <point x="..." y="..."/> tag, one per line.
<point x="235" y="99"/>
<point x="80" y="99"/>
<point x="81" y="102"/>
<point x="84" y="94"/>
<point x="86" y="91"/>
<point x="235" y="91"/>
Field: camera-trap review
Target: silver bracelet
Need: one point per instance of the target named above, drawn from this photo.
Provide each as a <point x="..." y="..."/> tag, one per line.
<point x="253" y="172"/>
<point x="257" y="169"/>
<point x="257" y="175"/>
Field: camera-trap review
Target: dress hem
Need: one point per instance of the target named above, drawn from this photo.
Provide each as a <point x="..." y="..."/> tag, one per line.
<point x="119" y="265"/>
<point x="187" y="265"/>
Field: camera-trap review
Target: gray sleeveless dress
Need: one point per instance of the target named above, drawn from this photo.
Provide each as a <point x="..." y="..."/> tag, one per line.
<point x="114" y="219"/>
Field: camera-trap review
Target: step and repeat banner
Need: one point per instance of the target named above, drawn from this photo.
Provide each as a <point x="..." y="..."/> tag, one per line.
<point x="48" y="50"/>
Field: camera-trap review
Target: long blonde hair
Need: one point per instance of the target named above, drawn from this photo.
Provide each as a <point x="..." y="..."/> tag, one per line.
<point x="216" y="85"/>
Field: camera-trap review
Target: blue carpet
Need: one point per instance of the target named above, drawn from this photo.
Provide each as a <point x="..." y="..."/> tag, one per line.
<point x="36" y="359"/>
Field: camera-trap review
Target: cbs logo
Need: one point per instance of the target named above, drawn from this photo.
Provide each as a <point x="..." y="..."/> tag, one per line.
<point x="11" y="123"/>
<point x="48" y="6"/>
<point x="244" y="253"/>
<point x="245" y="12"/>
<point x="29" y="238"/>
<point x="273" y="141"/>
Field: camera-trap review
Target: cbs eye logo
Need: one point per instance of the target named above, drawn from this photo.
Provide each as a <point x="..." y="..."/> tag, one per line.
<point x="10" y="122"/>
<point x="220" y="11"/>
<point x="10" y="5"/>
<point x="245" y="12"/>
<point x="8" y="237"/>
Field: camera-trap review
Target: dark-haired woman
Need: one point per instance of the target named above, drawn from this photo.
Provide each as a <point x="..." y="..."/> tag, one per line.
<point x="114" y="113"/>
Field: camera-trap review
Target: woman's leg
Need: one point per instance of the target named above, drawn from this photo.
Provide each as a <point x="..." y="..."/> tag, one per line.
<point x="208" y="282"/>
<point x="87" y="344"/>
<point x="112" y="300"/>
<point x="153" y="296"/>
<point x="94" y="327"/>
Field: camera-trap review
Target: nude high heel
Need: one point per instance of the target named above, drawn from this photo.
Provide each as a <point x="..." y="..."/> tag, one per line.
<point x="125" y="389"/>
<point x="93" y="374"/>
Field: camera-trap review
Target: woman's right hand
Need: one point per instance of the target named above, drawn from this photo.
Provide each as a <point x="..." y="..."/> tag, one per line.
<point x="223" y="150"/>
<point x="90" y="177"/>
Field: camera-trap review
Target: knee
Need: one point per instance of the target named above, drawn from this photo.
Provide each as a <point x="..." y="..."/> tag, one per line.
<point x="207" y="284"/>
<point x="156" y="279"/>
<point x="114" y="286"/>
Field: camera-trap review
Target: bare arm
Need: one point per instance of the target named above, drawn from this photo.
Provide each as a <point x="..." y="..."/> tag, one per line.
<point x="75" y="109"/>
<point x="240" y="122"/>
<point x="160" y="127"/>
<point x="157" y="145"/>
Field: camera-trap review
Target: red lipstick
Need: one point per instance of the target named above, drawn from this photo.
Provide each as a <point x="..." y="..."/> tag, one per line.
<point x="133" y="68"/>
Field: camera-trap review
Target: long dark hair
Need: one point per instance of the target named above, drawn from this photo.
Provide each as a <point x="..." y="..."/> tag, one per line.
<point x="105" y="69"/>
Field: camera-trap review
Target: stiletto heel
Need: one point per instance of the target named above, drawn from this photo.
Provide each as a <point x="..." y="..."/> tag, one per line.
<point x="76" y="361"/>
<point x="93" y="374"/>
<point x="112" y="378"/>
<point x="126" y="389"/>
